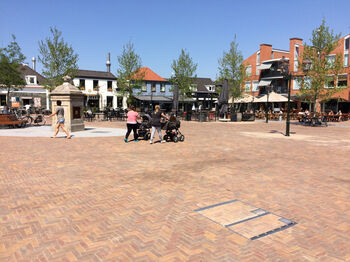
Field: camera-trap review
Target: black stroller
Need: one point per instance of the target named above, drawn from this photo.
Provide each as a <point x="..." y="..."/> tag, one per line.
<point x="172" y="132"/>
<point x="143" y="130"/>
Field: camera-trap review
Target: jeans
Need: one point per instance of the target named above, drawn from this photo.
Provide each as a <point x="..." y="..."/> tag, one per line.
<point x="159" y="130"/>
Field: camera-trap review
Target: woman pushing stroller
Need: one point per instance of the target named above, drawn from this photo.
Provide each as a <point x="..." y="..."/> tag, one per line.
<point x="156" y="124"/>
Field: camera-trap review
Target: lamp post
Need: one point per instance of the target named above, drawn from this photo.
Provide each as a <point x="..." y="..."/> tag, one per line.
<point x="284" y="69"/>
<point x="267" y="104"/>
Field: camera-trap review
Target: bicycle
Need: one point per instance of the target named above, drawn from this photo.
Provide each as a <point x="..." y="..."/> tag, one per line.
<point x="38" y="120"/>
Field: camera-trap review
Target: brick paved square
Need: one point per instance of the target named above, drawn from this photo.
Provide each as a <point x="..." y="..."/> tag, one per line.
<point x="100" y="199"/>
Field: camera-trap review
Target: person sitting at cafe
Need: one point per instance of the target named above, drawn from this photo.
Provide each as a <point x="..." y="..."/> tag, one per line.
<point x="330" y="113"/>
<point x="340" y="115"/>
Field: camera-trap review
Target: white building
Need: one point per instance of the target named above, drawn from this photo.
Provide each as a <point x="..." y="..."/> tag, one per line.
<point x="100" y="89"/>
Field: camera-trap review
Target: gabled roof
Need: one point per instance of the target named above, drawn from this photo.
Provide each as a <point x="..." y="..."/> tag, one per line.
<point x="201" y="82"/>
<point x="148" y="75"/>
<point x="95" y="74"/>
<point x="25" y="70"/>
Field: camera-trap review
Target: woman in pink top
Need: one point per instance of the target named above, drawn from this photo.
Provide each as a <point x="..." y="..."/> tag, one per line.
<point x="131" y="124"/>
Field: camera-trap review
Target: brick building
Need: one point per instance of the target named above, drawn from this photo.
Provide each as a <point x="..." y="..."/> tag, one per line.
<point x="263" y="75"/>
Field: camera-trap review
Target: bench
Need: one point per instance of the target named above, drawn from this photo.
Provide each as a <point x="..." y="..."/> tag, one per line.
<point x="11" y="120"/>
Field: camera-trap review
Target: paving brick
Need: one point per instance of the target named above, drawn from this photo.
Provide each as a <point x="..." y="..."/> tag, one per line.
<point x="99" y="199"/>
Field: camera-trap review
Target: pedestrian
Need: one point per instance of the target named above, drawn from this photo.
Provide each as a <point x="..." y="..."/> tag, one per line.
<point x="60" y="120"/>
<point x="131" y="124"/>
<point x="156" y="125"/>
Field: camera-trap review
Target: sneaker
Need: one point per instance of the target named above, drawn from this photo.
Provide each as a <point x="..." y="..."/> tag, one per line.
<point x="151" y="142"/>
<point x="163" y="141"/>
<point x="136" y="140"/>
<point x="125" y="140"/>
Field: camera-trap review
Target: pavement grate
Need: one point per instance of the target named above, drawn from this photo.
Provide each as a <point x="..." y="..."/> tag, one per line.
<point x="245" y="219"/>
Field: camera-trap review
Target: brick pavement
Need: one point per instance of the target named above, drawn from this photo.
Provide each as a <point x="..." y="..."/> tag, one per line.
<point x="99" y="199"/>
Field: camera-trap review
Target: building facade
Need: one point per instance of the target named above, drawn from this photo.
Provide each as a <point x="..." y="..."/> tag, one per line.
<point x="33" y="93"/>
<point x="100" y="89"/>
<point x="154" y="90"/>
<point x="263" y="75"/>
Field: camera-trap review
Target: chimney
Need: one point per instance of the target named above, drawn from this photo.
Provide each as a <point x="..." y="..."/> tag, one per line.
<point x="108" y="63"/>
<point x="33" y="62"/>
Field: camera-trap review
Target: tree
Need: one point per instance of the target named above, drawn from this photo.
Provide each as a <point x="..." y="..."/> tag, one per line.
<point x="10" y="71"/>
<point x="231" y="68"/>
<point x="318" y="66"/>
<point x="58" y="59"/>
<point x="128" y="73"/>
<point x="184" y="74"/>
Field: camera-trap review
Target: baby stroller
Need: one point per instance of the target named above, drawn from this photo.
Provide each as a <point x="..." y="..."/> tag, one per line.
<point x="144" y="127"/>
<point x="172" y="132"/>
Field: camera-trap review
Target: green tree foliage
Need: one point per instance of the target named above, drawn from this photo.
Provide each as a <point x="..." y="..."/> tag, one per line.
<point x="58" y="59"/>
<point x="11" y="58"/>
<point x="128" y="73"/>
<point x="318" y="66"/>
<point x="184" y="74"/>
<point x="231" y="68"/>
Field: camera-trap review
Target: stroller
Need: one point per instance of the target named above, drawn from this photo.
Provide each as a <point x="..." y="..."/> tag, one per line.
<point x="144" y="127"/>
<point x="172" y="132"/>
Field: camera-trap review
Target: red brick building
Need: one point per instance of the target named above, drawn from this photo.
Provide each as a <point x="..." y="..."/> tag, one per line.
<point x="263" y="76"/>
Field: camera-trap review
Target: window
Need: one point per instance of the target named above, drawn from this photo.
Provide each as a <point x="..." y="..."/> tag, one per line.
<point x="95" y="85"/>
<point x="81" y="84"/>
<point x="255" y="86"/>
<point x="153" y="89"/>
<point x="248" y="70"/>
<point x="210" y="87"/>
<point x="258" y="58"/>
<point x="296" y="57"/>
<point x="271" y="54"/>
<point x="109" y="85"/>
<point x="330" y="60"/>
<point x="247" y="86"/>
<point x="31" y="80"/>
<point x="342" y="80"/>
<point x="296" y="84"/>
<point x="346" y="52"/>
<point x="329" y="81"/>
<point x="307" y="82"/>
<point x="144" y="87"/>
<point x="162" y="87"/>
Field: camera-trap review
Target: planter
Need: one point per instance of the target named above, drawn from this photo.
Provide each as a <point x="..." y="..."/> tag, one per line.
<point x="248" y="117"/>
<point x="236" y="117"/>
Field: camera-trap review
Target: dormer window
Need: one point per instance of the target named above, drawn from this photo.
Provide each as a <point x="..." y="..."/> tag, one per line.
<point x="210" y="87"/>
<point x="31" y="80"/>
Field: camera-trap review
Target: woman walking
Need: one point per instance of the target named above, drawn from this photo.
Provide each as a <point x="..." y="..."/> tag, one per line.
<point x="131" y="124"/>
<point x="60" y="120"/>
<point x="156" y="125"/>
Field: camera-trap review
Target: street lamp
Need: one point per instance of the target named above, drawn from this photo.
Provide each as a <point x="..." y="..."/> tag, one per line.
<point x="267" y="104"/>
<point x="284" y="69"/>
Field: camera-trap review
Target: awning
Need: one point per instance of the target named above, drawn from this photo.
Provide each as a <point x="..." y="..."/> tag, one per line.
<point x="154" y="98"/>
<point x="27" y="97"/>
<point x="273" y="97"/>
<point x="264" y="82"/>
<point x="264" y="66"/>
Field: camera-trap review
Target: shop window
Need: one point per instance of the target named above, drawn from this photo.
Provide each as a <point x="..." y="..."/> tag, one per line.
<point x="162" y="87"/>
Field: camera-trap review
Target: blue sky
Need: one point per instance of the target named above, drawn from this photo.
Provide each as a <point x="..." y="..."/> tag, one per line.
<point x="159" y="29"/>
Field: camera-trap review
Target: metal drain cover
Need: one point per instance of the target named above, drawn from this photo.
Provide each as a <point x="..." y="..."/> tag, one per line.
<point x="244" y="219"/>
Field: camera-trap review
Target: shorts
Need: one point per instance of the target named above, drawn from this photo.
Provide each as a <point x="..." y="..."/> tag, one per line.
<point x="60" y="121"/>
